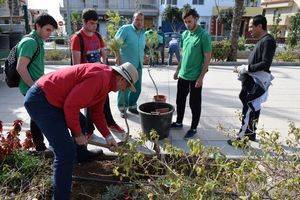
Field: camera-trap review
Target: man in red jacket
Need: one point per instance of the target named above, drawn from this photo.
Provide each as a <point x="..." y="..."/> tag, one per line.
<point x="54" y="102"/>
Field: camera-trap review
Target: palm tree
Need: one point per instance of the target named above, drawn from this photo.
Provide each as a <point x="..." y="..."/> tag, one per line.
<point x="235" y="28"/>
<point x="76" y="21"/>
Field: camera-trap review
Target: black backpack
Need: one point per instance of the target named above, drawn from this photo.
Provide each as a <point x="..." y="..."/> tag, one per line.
<point x="12" y="77"/>
<point x="81" y="42"/>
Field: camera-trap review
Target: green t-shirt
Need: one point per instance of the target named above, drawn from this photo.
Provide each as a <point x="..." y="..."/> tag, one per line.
<point x="26" y="48"/>
<point x="194" y="45"/>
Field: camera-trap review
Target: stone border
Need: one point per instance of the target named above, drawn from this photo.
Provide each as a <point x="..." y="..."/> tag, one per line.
<point x="212" y="63"/>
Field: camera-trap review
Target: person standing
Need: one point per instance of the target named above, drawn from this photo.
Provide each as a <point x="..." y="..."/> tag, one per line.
<point x="161" y="44"/>
<point x="54" y="103"/>
<point x="256" y="78"/>
<point x="196" y="55"/>
<point x="132" y="51"/>
<point x="31" y="66"/>
<point x="173" y="49"/>
<point x="87" y="46"/>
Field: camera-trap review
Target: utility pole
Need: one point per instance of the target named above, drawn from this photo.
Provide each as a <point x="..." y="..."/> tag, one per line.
<point x="68" y="22"/>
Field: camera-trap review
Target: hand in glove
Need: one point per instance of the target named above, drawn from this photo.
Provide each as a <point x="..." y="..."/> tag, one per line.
<point x="241" y="69"/>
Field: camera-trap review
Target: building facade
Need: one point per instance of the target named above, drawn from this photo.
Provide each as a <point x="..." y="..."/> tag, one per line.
<point x="16" y="15"/>
<point x="250" y="10"/>
<point x="283" y="9"/>
<point x="126" y="8"/>
<point x="203" y="7"/>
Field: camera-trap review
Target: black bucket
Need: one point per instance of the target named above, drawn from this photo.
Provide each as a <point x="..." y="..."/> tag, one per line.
<point x="159" y="121"/>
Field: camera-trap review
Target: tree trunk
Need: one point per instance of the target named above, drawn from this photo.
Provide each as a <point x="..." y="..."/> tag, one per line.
<point x="235" y="28"/>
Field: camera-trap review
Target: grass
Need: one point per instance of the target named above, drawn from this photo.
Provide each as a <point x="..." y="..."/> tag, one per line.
<point x="24" y="176"/>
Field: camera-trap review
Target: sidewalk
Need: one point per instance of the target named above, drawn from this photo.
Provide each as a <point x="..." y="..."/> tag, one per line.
<point x="219" y="104"/>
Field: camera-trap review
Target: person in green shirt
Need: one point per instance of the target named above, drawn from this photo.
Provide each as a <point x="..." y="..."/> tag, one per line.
<point x="196" y="55"/>
<point x="161" y="44"/>
<point x="30" y="66"/>
<point x="132" y="51"/>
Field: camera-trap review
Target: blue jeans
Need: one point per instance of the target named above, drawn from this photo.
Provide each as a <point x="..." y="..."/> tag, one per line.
<point x="51" y="120"/>
<point x="172" y="51"/>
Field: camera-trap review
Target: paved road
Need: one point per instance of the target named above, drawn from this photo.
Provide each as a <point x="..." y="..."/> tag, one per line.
<point x="219" y="106"/>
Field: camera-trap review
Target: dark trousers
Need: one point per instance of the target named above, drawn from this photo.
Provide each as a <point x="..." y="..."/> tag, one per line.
<point x="184" y="87"/>
<point x="172" y="51"/>
<point x="108" y="116"/>
<point x="37" y="136"/>
<point x="250" y="91"/>
<point x="161" y="49"/>
<point x="51" y="120"/>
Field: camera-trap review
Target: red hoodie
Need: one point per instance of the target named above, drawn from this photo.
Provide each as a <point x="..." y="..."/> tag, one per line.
<point x="80" y="86"/>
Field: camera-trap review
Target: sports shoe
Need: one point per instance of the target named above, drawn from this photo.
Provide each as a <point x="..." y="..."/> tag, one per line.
<point x="190" y="133"/>
<point x="133" y="110"/>
<point x="84" y="155"/>
<point x="116" y="128"/>
<point x="176" y="125"/>
<point x="251" y="137"/>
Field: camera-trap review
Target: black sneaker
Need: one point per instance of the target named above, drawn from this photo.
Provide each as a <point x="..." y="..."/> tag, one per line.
<point x="190" y="133"/>
<point x="176" y="125"/>
<point x="85" y="155"/>
<point x="251" y="137"/>
<point x="133" y="110"/>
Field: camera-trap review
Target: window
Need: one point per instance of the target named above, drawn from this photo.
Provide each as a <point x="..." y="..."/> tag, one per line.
<point x="95" y="3"/>
<point x="198" y="2"/>
<point x="172" y="2"/>
<point x="203" y="25"/>
<point x="162" y="2"/>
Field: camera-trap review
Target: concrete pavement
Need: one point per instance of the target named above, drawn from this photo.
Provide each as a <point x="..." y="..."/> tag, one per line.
<point x="219" y="104"/>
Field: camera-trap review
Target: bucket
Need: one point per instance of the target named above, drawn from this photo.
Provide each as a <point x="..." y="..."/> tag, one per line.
<point x="157" y="116"/>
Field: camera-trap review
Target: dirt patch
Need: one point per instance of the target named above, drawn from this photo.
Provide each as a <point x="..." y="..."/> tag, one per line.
<point x="91" y="179"/>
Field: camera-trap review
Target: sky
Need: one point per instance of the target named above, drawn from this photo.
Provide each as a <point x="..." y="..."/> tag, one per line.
<point x="51" y="5"/>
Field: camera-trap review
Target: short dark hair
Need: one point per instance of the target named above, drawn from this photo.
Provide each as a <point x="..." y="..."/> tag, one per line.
<point x="188" y="12"/>
<point x="260" y="19"/>
<point x="44" y="19"/>
<point x="137" y="13"/>
<point x="89" y="14"/>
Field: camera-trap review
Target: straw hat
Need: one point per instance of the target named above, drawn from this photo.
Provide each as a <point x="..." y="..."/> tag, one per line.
<point x="129" y="72"/>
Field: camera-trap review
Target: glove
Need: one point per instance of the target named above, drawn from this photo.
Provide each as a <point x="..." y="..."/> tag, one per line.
<point x="242" y="69"/>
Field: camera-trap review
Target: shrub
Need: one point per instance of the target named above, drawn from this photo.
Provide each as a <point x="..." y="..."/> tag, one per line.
<point x="242" y="43"/>
<point x="273" y="172"/>
<point x="220" y="50"/>
<point x="54" y="55"/>
<point x="286" y="56"/>
<point x="25" y="176"/>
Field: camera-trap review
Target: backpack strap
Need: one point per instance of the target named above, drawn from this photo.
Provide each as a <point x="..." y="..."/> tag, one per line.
<point x="37" y="51"/>
<point x="80" y="37"/>
<point x="99" y="36"/>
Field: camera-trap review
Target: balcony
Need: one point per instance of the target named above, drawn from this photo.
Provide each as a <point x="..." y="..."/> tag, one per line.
<point x="125" y="7"/>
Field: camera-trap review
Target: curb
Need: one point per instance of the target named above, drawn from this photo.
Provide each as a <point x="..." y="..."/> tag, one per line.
<point x="212" y="63"/>
<point x="245" y="63"/>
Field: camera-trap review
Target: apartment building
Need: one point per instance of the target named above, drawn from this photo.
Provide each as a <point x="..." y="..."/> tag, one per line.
<point x="283" y="8"/>
<point x="126" y="8"/>
<point x="251" y="9"/>
<point x="16" y="16"/>
<point x="203" y="7"/>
